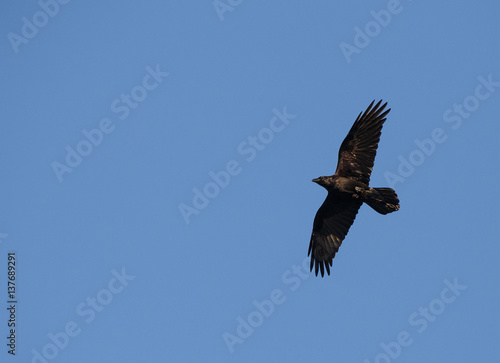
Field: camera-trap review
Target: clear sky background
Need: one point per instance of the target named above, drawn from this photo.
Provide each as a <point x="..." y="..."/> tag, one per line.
<point x="117" y="116"/>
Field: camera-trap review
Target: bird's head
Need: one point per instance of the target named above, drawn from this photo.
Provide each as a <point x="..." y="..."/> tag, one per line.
<point x="322" y="180"/>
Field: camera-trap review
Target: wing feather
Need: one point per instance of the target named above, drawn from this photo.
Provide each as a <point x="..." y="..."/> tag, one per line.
<point x="331" y="224"/>
<point x="358" y="150"/>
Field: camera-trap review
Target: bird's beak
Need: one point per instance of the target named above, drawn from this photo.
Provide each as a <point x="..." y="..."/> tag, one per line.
<point x="315" y="180"/>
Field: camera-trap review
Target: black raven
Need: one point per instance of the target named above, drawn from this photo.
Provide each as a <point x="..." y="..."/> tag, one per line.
<point x="348" y="188"/>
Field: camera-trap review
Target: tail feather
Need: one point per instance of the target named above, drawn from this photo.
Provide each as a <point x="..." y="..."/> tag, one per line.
<point x="383" y="200"/>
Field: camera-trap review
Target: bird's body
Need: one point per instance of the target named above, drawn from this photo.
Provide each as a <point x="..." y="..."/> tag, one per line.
<point x="349" y="188"/>
<point x="339" y="184"/>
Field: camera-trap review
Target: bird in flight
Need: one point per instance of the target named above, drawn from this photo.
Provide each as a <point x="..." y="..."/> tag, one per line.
<point x="348" y="188"/>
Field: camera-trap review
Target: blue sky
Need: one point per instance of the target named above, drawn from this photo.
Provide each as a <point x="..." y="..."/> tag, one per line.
<point x="156" y="187"/>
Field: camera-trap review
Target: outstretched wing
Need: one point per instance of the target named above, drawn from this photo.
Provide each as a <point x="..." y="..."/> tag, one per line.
<point x="331" y="224"/>
<point x="358" y="150"/>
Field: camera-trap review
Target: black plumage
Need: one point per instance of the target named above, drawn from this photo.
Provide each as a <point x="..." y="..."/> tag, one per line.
<point x="348" y="188"/>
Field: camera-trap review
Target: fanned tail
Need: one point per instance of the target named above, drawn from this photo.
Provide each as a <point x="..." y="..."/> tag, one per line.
<point x="383" y="200"/>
